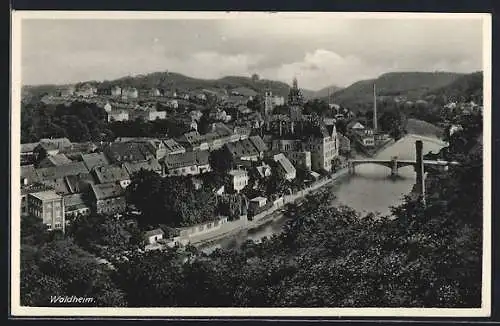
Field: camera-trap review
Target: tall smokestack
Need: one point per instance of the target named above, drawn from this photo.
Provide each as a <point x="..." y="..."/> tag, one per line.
<point x="374" y="108"/>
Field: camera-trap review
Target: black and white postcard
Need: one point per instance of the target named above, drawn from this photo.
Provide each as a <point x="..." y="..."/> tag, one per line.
<point x="250" y="164"/>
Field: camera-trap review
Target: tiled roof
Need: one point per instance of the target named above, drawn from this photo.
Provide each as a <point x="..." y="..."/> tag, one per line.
<point x="74" y="201"/>
<point x="110" y="173"/>
<point x="46" y="195"/>
<point x="78" y="183"/>
<point x="28" y="147"/>
<point x="242" y="148"/>
<point x="58" y="142"/>
<point x="107" y="190"/>
<point x="94" y="159"/>
<point x="262" y="170"/>
<point x="258" y="143"/>
<point x="284" y="163"/>
<point x="192" y="138"/>
<point x="29" y="172"/>
<point x="74" y="168"/>
<point x="151" y="165"/>
<point x="172" y="145"/>
<point x="129" y="151"/>
<point x="58" y="159"/>
<point x="175" y="161"/>
<point x="154" y="232"/>
<point x="236" y="173"/>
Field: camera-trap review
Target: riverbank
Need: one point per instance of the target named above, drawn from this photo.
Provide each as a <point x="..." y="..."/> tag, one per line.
<point x="271" y="215"/>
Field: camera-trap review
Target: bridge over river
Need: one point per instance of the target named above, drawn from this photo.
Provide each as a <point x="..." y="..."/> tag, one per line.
<point x="394" y="164"/>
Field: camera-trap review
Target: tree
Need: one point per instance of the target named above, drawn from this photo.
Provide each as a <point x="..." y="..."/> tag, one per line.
<point x="393" y="122"/>
<point x="172" y="201"/>
<point x="60" y="267"/>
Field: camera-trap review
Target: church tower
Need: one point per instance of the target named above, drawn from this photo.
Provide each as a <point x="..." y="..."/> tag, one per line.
<point x="295" y="101"/>
<point x="268" y="103"/>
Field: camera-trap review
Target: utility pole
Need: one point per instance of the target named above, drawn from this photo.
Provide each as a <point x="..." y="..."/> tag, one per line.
<point x="374" y="108"/>
<point x="420" y="170"/>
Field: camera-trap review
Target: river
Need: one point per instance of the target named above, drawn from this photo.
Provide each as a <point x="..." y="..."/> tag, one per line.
<point x="370" y="189"/>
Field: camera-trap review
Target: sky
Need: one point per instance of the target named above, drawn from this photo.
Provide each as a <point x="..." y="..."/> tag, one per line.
<point x="319" y="50"/>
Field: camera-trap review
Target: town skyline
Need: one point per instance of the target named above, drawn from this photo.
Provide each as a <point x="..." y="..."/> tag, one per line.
<point x="319" y="55"/>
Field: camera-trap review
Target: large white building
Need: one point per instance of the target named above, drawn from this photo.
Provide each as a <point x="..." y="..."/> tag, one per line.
<point x="239" y="179"/>
<point x="48" y="206"/>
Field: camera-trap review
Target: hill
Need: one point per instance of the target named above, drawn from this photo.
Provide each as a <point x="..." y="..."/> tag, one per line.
<point x="465" y="88"/>
<point x="323" y="93"/>
<point x="172" y="80"/>
<point x="409" y="85"/>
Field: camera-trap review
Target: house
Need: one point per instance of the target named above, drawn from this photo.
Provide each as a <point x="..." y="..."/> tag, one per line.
<point x="119" y="152"/>
<point x="54" y="160"/>
<point x="119" y="115"/>
<point x="263" y="170"/>
<point x="195" y="115"/>
<point x="51" y="146"/>
<point x="172" y="147"/>
<point x="219" y="135"/>
<point x="93" y="160"/>
<point x="79" y="183"/>
<point x="300" y="159"/>
<point x="193" y="126"/>
<point x="366" y="138"/>
<point x="75" y="206"/>
<point x="193" y="141"/>
<point x="29" y="189"/>
<point x="108" y="198"/>
<point x="285" y="168"/>
<point x="48" y="206"/>
<point x="239" y="179"/>
<point x="257" y="204"/>
<point x="111" y="174"/>
<point x="345" y="144"/>
<point x="188" y="163"/>
<point x="174" y="104"/>
<point x="130" y="93"/>
<point x="324" y="147"/>
<point x="86" y="90"/>
<point x="154" y="92"/>
<point x="116" y="91"/>
<point x="107" y="107"/>
<point x="149" y="165"/>
<point x="150" y="114"/>
<point x="250" y="149"/>
<point x="355" y="126"/>
<point x="47" y="175"/>
<point x="28" y="175"/>
<point x="243" y="150"/>
<point x="66" y="91"/>
<point x="329" y="121"/>
<point x="153" y="236"/>
<point x="154" y="145"/>
<point x="27" y="154"/>
<point x="242" y="132"/>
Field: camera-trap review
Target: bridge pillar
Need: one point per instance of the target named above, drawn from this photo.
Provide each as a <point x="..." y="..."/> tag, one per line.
<point x="419" y="167"/>
<point x="394" y="166"/>
<point x="352" y="168"/>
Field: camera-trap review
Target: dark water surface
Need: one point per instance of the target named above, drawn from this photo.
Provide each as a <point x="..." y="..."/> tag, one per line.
<point x="371" y="189"/>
